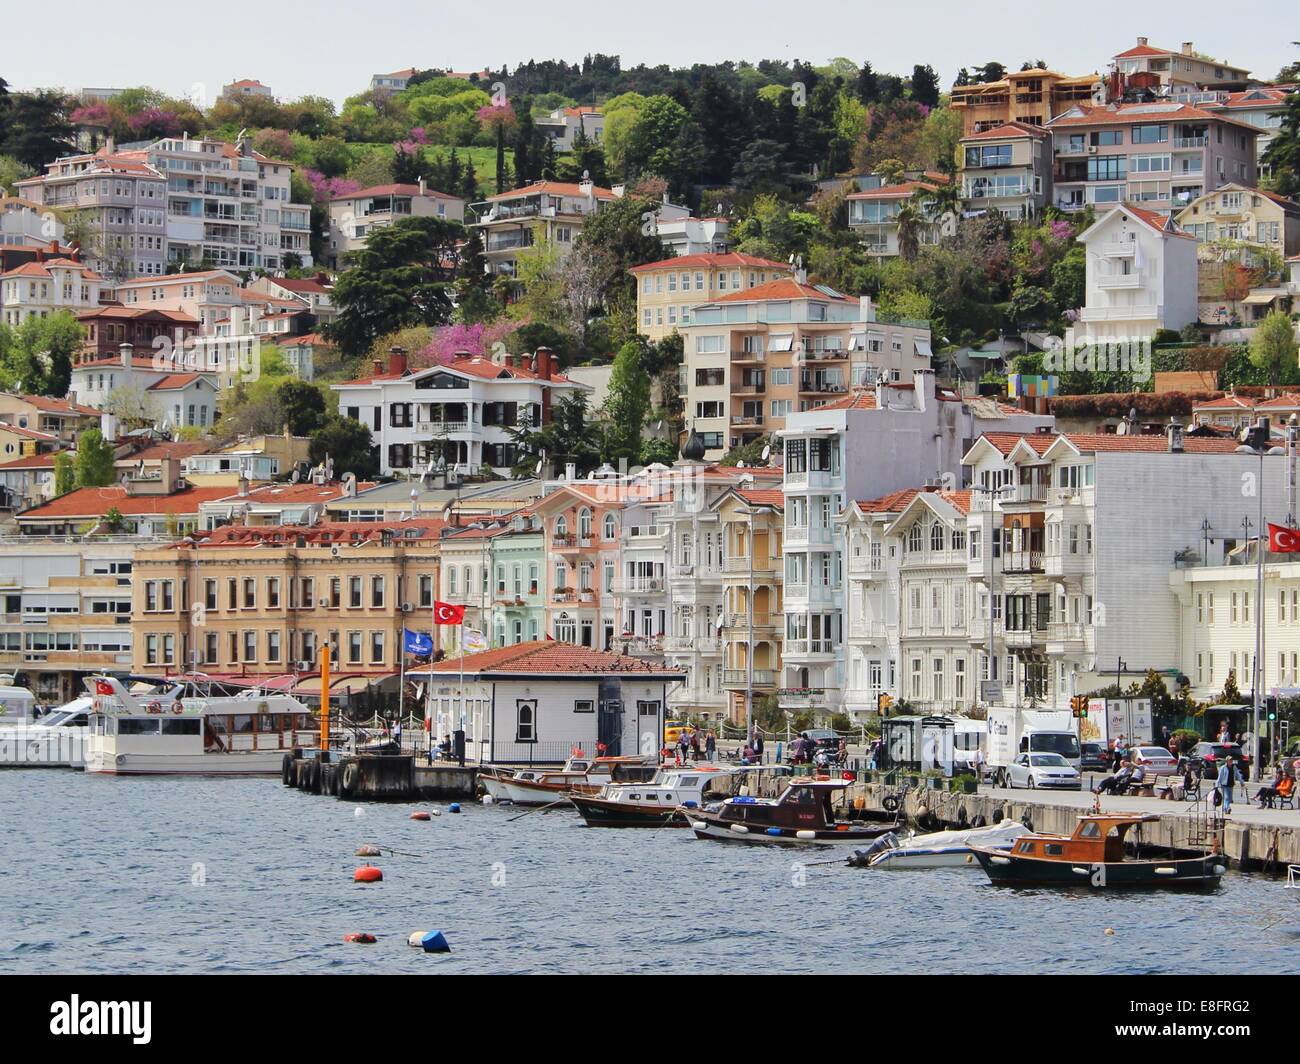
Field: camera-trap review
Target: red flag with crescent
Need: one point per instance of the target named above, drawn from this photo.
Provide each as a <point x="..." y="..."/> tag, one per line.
<point x="1283" y="540"/>
<point x="103" y="688"/>
<point x="446" y="613"/>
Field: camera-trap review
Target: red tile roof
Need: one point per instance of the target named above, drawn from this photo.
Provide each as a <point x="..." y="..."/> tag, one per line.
<point x="733" y="258"/>
<point x="1094" y="442"/>
<point x="324" y="534"/>
<point x="34" y="461"/>
<point x="1129" y="113"/>
<point x="903" y="190"/>
<point x="549" y="658"/>
<point x="860" y="399"/>
<point x="1227" y="402"/>
<point x="174" y="382"/>
<point x="1006" y="441"/>
<point x="763" y="496"/>
<point x="95" y="502"/>
<point x="58" y="406"/>
<point x="1008" y="129"/>
<point x="31" y="434"/>
<point x="306" y="340"/>
<point x="155" y="452"/>
<point x="392" y="190"/>
<point x="301" y="284"/>
<point x="894" y="502"/>
<point x="294" y="493"/>
<point x="552" y="188"/>
<point x="781" y="288"/>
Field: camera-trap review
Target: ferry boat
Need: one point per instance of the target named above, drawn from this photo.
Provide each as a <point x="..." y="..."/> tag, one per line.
<point x="581" y="775"/>
<point x="937" y="849"/>
<point x="56" y="740"/>
<point x="171" y="732"/>
<point x="1094" y="857"/>
<point x="802" y="815"/>
<point x="665" y="799"/>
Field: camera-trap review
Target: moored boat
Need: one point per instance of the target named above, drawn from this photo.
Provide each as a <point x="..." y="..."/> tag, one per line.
<point x="171" y="732"/>
<point x="56" y="740"/>
<point x="937" y="849"/>
<point x="801" y="815"/>
<point x="1094" y="857"/>
<point x="580" y="775"/>
<point x="668" y="798"/>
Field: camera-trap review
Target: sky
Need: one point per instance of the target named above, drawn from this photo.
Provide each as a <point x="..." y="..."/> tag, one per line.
<point x="331" y="48"/>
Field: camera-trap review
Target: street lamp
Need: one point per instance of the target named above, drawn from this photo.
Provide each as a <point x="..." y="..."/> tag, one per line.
<point x="1256" y="440"/>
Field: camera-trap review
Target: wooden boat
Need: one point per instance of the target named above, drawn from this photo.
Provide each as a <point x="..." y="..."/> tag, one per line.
<point x="666" y="799"/>
<point x="802" y="815"/>
<point x="1094" y="857"/>
<point x="580" y="775"/>
<point x="937" y="849"/>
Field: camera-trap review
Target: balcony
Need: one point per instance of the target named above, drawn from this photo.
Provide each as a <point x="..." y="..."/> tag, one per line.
<point x="872" y="630"/>
<point x="1025" y="638"/>
<point x="440" y="428"/>
<point x="809" y="648"/>
<point x="686" y="644"/>
<point x="811" y="478"/>
<point x="1022" y="561"/>
<point x="642" y="586"/>
<point x="1006" y="190"/>
<point x="564" y="543"/>
<point x="1116" y="281"/>
<point x="1066" y="638"/>
<point x="739" y="677"/>
<point x="754" y="420"/>
<point x="1190" y="143"/>
<point x="803" y="698"/>
<point x="743" y="565"/>
<point x="1119" y="249"/>
<point x="1136" y="312"/>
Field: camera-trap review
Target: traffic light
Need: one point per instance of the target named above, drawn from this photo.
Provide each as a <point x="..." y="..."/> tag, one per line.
<point x="1270" y="704"/>
<point x="1079" y="706"/>
<point x="883" y="703"/>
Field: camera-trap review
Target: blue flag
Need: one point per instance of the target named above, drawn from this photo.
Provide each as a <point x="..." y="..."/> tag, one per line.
<point x="418" y="642"/>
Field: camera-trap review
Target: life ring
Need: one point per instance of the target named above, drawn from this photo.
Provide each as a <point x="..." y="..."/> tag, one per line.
<point x="120" y="759"/>
<point x="178" y="706"/>
<point x="153" y="707"/>
<point x="890" y="804"/>
<point x="348" y="779"/>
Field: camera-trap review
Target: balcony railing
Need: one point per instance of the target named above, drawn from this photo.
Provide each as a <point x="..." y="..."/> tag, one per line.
<point x="801" y="696"/>
<point x="1022" y="561"/>
<point x="1119" y="281"/>
<point x="1188" y="143"/>
<point x="1124" y="249"/>
<point x="441" y="428"/>
<point x="1025" y="637"/>
<point x="742" y="565"/>
<point x="808" y="647"/>
<point x="739" y="677"/>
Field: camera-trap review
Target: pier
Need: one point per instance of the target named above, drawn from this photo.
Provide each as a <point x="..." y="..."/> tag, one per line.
<point x="379" y="777"/>
<point x="1258" y="840"/>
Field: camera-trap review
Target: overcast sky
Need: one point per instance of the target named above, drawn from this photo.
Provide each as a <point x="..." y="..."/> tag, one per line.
<point x="330" y="48"/>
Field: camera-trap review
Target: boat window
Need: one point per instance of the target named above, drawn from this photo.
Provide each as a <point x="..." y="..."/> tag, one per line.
<point x="1026" y="847"/>
<point x="686" y="781"/>
<point x="268" y="722"/>
<point x="242" y="723"/>
<point x="137" y="726"/>
<point x="171" y="726"/>
<point x="635" y="797"/>
<point x="1089" y="830"/>
<point x="1054" y="849"/>
<point x="652" y="797"/>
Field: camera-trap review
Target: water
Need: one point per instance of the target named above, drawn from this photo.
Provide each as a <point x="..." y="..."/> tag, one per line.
<point x="205" y="875"/>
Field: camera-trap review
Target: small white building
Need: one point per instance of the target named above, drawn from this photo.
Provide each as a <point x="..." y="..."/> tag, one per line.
<point x="562" y="126"/>
<point x="1141" y="277"/>
<point x="354" y="215"/>
<point x="540" y="702"/>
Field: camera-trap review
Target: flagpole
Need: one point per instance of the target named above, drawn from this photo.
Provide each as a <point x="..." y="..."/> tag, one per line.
<point x="401" y="683"/>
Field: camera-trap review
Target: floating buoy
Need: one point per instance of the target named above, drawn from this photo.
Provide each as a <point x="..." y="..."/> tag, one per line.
<point x="364" y="937"/>
<point x="690" y="803"/>
<point x="358" y="812"/>
<point x="367" y="874"/>
<point x="740" y="829"/>
<point x="368" y="851"/>
<point x="454" y="807"/>
<point x="429" y="941"/>
<point x="1110" y="930"/>
<point x="774" y="831"/>
<point x="805" y="834"/>
<point x="488" y="799"/>
<point x="420" y="814"/>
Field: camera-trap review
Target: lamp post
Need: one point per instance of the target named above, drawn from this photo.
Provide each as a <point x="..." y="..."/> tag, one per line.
<point x="1255" y="440"/>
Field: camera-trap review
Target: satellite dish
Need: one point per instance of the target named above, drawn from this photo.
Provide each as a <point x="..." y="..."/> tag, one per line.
<point x="740" y="464"/>
<point x="294" y="477"/>
<point x="537" y="469"/>
<point x="767" y="451"/>
<point x="719" y="622"/>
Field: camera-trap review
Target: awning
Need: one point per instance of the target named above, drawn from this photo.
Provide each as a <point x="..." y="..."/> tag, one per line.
<point x="1263" y="298"/>
<point x="857" y="341"/>
<point x="985" y="354"/>
<point x="782" y="342"/>
<point x="923" y="348"/>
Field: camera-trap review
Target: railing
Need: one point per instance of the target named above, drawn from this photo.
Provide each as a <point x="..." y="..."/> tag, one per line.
<point x="1022" y="561"/>
<point x="1119" y="280"/>
<point x="1185" y="143"/>
<point x="641" y="586"/>
<point x="739" y="677"/>
<point x="747" y="419"/>
<point x="807" y="647"/>
<point x="1065" y="632"/>
<point x="564" y="543"/>
<point x="1025" y="637"/>
<point x="1119" y="248"/>
<point x="798" y="696"/>
<point x="644" y="531"/>
<point x="439" y="428"/>
<point x="742" y="565"/>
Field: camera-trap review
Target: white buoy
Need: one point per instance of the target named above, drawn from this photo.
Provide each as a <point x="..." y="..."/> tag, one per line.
<point x="805" y="834"/>
<point x="488" y="799"/>
<point x="740" y="829"/>
<point x="358" y="812"/>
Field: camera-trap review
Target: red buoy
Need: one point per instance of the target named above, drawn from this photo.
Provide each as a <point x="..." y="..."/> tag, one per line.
<point x="360" y="936"/>
<point x="420" y="814"/>
<point x="368" y="874"/>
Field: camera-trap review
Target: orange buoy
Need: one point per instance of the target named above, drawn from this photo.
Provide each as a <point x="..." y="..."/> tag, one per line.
<point x="420" y="814"/>
<point x="368" y="874"/>
<point x="365" y="938"/>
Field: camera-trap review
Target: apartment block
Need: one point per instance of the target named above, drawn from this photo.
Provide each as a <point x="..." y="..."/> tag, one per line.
<point x="543" y="214"/>
<point x="757" y="355"/>
<point x="667" y="291"/>
<point x="47" y="286"/>
<point x="562" y="126"/>
<point x="1028" y="97"/>
<point x="25" y="224"/>
<point x="1174" y="70"/>
<point x="1007" y="168"/>
<point x="352" y="217"/>
<point x="1237" y="214"/>
<point x="873" y="215"/>
<point x="1159" y="155"/>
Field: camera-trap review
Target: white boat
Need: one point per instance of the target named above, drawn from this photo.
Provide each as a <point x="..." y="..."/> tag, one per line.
<point x="547" y="786"/>
<point x="938" y="849"/>
<point x="17" y="707"/>
<point x="171" y="732"/>
<point x="56" y="740"/>
<point x="664" y="799"/>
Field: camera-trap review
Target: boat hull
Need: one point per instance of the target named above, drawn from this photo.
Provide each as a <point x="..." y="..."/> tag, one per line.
<point x="727" y="831"/>
<point x="252" y="763"/>
<point x="601" y="813"/>
<point x="43" y="748"/>
<point x="527" y="793"/>
<point x="1184" y="873"/>
<point x="908" y="860"/>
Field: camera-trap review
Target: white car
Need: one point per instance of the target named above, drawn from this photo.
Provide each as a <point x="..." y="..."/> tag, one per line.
<point x="1155" y="759"/>
<point x="1043" y="770"/>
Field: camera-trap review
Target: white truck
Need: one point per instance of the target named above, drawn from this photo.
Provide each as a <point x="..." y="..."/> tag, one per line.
<point x="1016" y="731"/>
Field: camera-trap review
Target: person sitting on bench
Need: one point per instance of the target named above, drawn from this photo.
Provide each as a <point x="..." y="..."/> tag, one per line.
<point x="1282" y="786"/>
<point x="1117" y="783"/>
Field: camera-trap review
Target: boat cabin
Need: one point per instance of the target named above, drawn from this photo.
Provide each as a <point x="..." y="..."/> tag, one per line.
<point x="1098" y="838"/>
<point x="805" y="804"/>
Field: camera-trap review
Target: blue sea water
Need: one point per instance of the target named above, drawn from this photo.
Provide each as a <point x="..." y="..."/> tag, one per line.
<point x="225" y="875"/>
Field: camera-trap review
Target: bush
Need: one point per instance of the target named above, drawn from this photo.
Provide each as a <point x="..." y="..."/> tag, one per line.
<point x="1186" y="739"/>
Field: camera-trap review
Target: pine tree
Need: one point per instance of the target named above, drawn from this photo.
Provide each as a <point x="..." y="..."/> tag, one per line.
<point x="468" y="187"/>
<point x="455" y="173"/>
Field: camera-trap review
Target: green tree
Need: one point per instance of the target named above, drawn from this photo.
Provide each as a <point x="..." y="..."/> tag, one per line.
<point x="625" y="232"/>
<point x="65" y="475"/>
<point x="94" y="462"/>
<point x="347" y="442"/>
<point x="36" y="357"/>
<point x="401" y="277"/>
<point x="303" y="406"/>
<point x="569" y="437"/>
<point x="627" y="404"/>
<point x="1273" y="347"/>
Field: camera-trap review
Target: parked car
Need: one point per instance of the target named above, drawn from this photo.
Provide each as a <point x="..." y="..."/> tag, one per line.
<point x="1094" y="758"/>
<point x="673" y="731"/>
<point x="1210" y="754"/>
<point x="824" y="741"/>
<point x="1043" y="770"/>
<point x="1155" y="759"/>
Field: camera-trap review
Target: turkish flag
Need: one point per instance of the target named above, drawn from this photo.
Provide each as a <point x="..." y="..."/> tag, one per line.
<point x="1283" y="540"/>
<point x="446" y="613"/>
<point x="103" y="688"/>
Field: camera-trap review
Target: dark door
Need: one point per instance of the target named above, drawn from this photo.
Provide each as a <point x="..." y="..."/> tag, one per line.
<point x="609" y="728"/>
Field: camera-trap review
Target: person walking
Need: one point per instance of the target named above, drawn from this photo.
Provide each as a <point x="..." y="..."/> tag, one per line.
<point x="1229" y="774"/>
<point x="695" y="746"/>
<point x="711" y="746"/>
<point x="977" y="765"/>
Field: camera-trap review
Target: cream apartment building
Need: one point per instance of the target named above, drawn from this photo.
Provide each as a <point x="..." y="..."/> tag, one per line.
<point x="667" y="291"/>
<point x="1250" y="216"/>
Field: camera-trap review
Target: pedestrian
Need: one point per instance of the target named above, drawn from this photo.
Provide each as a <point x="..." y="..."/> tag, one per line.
<point x="711" y="746"/>
<point x="695" y="746"/>
<point x="397" y="734"/>
<point x="977" y="765"/>
<point x="842" y="753"/>
<point x="1228" y="775"/>
<point x="1225" y="736"/>
<point x="756" y="741"/>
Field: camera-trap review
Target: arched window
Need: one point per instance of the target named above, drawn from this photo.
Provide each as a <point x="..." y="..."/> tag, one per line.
<point x="526" y="721"/>
<point x="561" y="526"/>
<point x="584" y="523"/>
<point x="936" y="536"/>
<point x="451" y="581"/>
<point x="914" y="540"/>
<point x="611" y="527"/>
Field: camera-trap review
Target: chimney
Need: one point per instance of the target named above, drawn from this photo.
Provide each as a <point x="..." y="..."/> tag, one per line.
<point x="243" y="485"/>
<point x="421" y="184"/>
<point x="1174" y="433"/>
<point x="867" y="310"/>
<point x="544" y="365"/>
<point x="378" y="365"/>
<point x="922" y="387"/>
<point x="1142" y="42"/>
<point x="246" y="146"/>
<point x="397" y="360"/>
<point x="125" y="349"/>
<point x="570" y="472"/>
<point x="1188" y="49"/>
